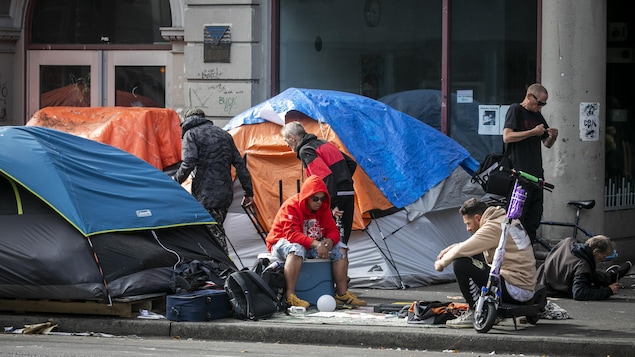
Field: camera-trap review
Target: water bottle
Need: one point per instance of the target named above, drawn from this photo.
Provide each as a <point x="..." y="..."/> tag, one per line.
<point x="272" y="265"/>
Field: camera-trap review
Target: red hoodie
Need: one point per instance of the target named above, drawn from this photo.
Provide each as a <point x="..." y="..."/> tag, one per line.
<point x="297" y="224"/>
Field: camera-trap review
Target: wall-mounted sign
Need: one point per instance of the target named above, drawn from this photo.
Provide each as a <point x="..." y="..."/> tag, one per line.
<point x="216" y="44"/>
<point x="590" y="121"/>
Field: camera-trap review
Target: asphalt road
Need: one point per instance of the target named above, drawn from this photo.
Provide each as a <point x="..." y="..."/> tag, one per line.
<point x="79" y="346"/>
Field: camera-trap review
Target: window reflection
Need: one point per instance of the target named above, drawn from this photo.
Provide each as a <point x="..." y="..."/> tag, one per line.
<point x="398" y="60"/>
<point x="64" y="86"/>
<point x="100" y="21"/>
<point x="140" y="86"/>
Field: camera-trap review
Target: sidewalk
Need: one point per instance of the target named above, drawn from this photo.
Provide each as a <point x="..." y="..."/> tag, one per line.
<point x="596" y="328"/>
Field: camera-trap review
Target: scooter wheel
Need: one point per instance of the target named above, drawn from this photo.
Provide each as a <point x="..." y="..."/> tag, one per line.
<point x="533" y="319"/>
<point x="485" y="322"/>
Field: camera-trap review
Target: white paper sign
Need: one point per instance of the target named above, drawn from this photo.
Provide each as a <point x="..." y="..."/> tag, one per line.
<point x="488" y="119"/>
<point x="590" y="121"/>
<point x="465" y="96"/>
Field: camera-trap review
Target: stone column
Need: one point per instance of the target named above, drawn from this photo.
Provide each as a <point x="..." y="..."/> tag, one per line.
<point x="224" y="58"/>
<point x="574" y="72"/>
<point x="10" y="100"/>
<point x="175" y="75"/>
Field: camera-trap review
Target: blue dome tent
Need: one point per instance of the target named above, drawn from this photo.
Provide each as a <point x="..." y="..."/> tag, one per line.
<point x="84" y="220"/>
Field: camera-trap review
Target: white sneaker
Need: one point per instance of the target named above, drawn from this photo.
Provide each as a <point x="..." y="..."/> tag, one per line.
<point x="465" y="320"/>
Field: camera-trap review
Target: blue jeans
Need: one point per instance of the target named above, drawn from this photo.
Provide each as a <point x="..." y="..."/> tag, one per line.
<point x="283" y="247"/>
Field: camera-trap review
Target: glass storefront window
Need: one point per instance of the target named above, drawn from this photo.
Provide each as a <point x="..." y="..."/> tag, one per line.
<point x="391" y="51"/>
<point x="126" y="22"/>
<point x="360" y="47"/>
<point x="140" y="86"/>
<point x="620" y="72"/>
<point x="64" y="86"/>
<point x="493" y="61"/>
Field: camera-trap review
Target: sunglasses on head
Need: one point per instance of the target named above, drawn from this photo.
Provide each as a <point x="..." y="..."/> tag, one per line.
<point x="540" y="104"/>
<point x="318" y="199"/>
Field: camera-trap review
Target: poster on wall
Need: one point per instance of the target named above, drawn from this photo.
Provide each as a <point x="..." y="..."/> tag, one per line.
<point x="590" y="121"/>
<point x="489" y="121"/>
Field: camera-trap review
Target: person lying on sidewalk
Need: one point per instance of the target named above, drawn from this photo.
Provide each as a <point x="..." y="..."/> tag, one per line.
<point x="570" y="270"/>
<point x="470" y="259"/>
<point x="305" y="229"/>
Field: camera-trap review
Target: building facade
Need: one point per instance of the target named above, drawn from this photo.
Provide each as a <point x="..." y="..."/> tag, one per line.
<point x="455" y="64"/>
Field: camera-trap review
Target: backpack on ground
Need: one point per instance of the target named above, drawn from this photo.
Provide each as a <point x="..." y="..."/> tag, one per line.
<point x="434" y="312"/>
<point x="273" y="274"/>
<point x="249" y="296"/>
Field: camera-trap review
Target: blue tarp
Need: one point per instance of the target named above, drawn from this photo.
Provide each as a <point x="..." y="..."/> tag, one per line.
<point x="403" y="156"/>
<point x="95" y="187"/>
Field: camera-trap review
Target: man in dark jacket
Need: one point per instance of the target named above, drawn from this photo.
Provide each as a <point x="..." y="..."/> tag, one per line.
<point x="209" y="153"/>
<point x="570" y="270"/>
<point x="324" y="159"/>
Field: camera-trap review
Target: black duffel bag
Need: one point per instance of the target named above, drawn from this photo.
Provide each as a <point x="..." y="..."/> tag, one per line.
<point x="489" y="176"/>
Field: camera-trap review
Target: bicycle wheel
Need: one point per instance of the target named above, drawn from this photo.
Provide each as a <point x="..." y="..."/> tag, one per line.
<point x="485" y="322"/>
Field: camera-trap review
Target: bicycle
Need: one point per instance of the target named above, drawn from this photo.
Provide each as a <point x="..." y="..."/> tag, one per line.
<point x="541" y="246"/>
<point x="579" y="205"/>
<point x="489" y="304"/>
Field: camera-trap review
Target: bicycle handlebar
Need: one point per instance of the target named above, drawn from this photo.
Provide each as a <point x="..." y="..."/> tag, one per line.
<point x="529" y="178"/>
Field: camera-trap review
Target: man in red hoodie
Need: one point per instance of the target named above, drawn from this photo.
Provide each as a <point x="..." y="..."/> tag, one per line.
<point x="304" y="229"/>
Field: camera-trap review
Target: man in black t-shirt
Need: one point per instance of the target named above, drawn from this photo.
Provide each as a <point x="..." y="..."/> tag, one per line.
<point x="525" y="129"/>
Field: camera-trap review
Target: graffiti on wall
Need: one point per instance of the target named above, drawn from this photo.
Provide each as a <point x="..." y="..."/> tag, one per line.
<point x="219" y="99"/>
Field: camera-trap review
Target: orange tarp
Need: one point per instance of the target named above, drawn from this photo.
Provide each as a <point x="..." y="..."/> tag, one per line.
<point x="272" y="164"/>
<point x="152" y="134"/>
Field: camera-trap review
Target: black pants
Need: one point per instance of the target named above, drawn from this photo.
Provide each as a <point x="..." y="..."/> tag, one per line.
<point x="218" y="230"/>
<point x="471" y="275"/>
<point x="346" y="204"/>
<point x="532" y="210"/>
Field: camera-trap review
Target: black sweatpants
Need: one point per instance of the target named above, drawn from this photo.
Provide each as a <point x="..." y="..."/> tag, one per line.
<point x="532" y="210"/>
<point x="346" y="204"/>
<point x="471" y="275"/>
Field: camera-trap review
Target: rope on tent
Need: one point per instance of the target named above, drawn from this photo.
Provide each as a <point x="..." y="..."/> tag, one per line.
<point x="390" y="259"/>
<point x="178" y="257"/>
<point x="101" y="271"/>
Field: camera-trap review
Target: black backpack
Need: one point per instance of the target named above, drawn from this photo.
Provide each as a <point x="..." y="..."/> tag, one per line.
<point x="249" y="296"/>
<point x="273" y="275"/>
<point x="489" y="176"/>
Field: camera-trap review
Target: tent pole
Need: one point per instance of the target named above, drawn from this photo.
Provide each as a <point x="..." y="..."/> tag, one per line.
<point x="219" y="228"/>
<point x="253" y="217"/>
<point x="390" y="260"/>
<point x="101" y="271"/>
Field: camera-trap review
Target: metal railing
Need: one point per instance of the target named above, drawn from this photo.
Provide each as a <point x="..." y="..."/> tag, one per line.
<point x="619" y="194"/>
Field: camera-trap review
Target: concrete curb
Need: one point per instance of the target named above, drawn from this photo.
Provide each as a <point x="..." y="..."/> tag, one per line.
<point x="432" y="339"/>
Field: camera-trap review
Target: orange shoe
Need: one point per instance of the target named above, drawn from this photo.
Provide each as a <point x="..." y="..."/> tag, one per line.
<point x="349" y="299"/>
<point x="293" y="300"/>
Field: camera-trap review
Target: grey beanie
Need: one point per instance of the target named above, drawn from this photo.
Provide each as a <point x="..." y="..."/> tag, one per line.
<point x="194" y="112"/>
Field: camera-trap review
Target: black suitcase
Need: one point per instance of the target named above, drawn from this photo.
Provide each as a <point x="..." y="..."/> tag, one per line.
<point x="202" y="305"/>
